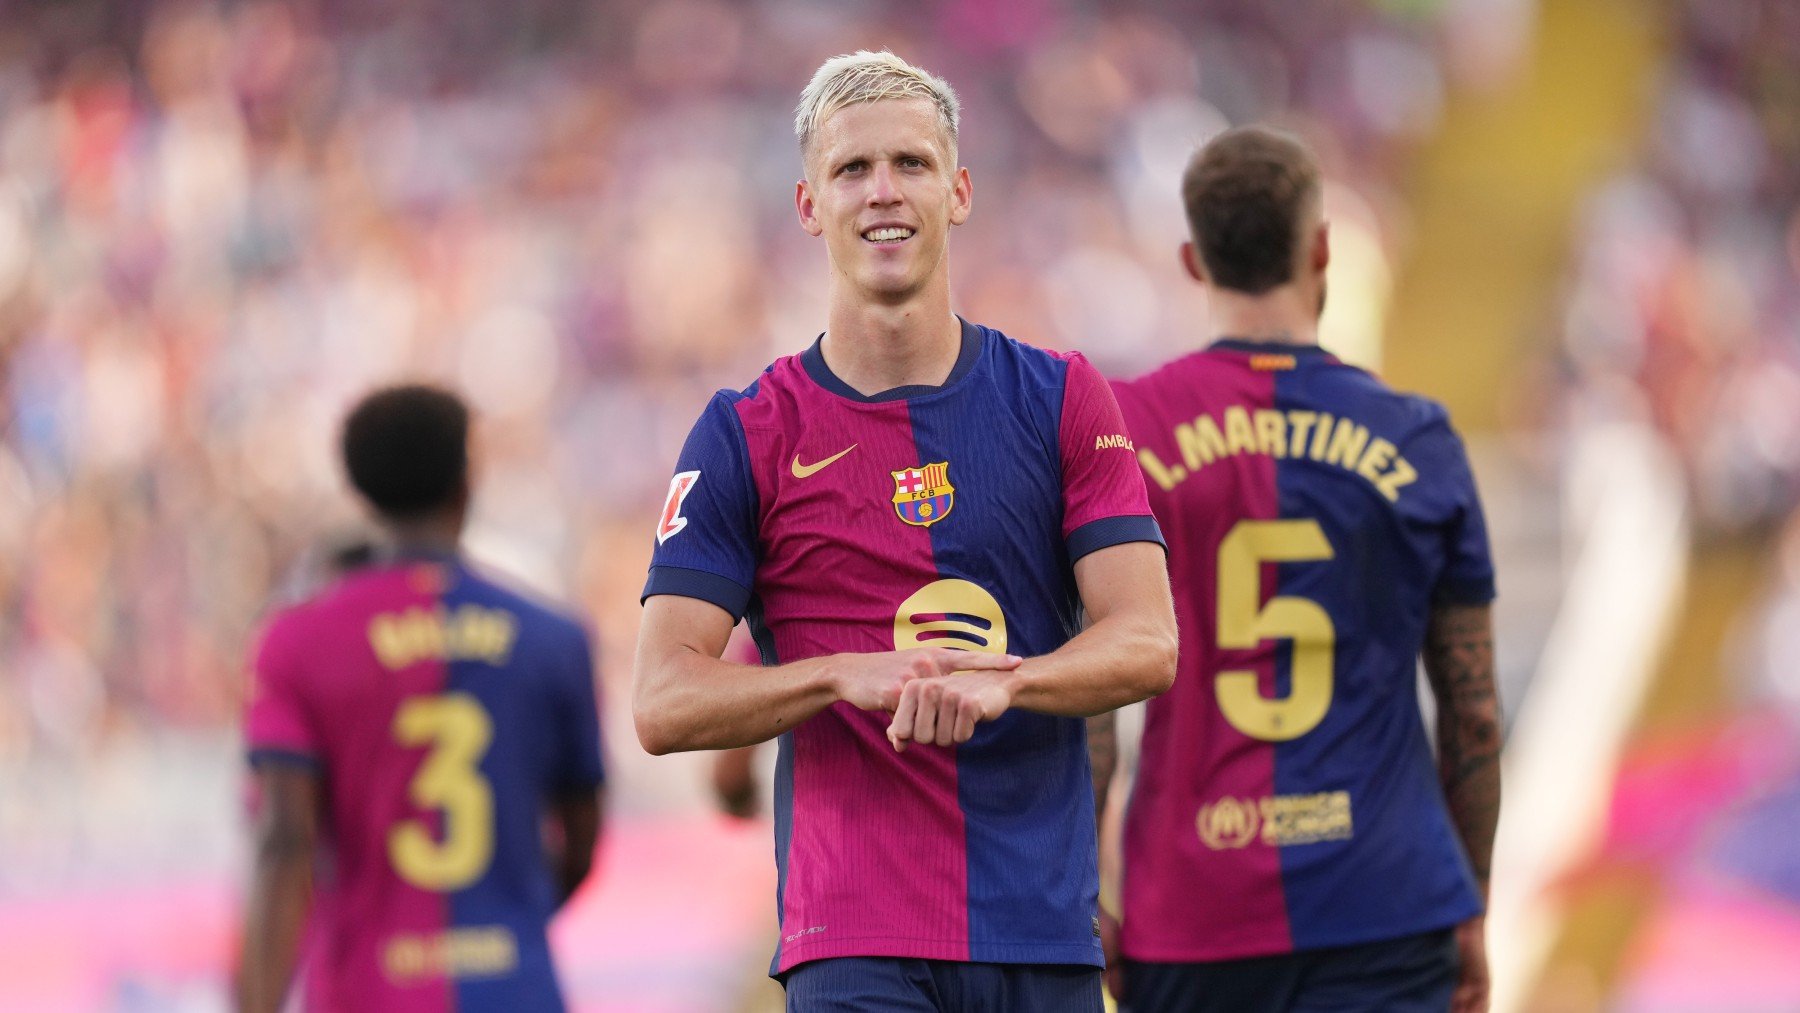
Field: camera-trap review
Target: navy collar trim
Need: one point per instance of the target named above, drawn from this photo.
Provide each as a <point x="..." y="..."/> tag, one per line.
<point x="813" y="361"/>
<point x="1265" y="347"/>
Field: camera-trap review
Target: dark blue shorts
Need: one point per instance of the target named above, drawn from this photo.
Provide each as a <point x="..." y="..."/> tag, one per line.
<point x="1412" y="974"/>
<point x="909" y="985"/>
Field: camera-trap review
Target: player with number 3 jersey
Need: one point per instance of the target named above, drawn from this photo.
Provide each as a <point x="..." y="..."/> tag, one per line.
<point x="420" y="723"/>
<point x="1288" y="844"/>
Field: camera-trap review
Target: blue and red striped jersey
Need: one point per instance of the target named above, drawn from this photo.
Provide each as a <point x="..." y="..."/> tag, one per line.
<point x="442" y="713"/>
<point x="951" y="516"/>
<point x="1287" y="798"/>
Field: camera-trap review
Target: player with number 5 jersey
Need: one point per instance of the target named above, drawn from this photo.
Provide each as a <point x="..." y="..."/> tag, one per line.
<point x="1289" y="843"/>
<point x="422" y="725"/>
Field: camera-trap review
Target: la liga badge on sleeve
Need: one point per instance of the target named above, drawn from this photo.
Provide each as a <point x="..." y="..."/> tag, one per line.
<point x="923" y="496"/>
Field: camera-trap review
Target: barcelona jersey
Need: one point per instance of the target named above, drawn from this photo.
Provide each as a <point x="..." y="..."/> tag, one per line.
<point x="441" y="713"/>
<point x="1287" y="798"/>
<point x="946" y="516"/>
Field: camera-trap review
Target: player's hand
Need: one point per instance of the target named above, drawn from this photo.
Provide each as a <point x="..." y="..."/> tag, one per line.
<point x="1471" y="995"/>
<point x="1114" y="975"/>
<point x="945" y="709"/>
<point x="873" y="682"/>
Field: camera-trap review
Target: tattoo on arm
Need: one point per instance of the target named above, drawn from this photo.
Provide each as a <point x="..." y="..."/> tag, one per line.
<point x="1459" y="661"/>
<point x="1103" y="756"/>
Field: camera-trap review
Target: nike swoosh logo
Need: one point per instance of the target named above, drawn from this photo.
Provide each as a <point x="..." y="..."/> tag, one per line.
<point x="808" y="470"/>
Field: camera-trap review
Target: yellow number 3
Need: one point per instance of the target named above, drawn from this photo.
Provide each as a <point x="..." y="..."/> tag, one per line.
<point x="1243" y="625"/>
<point x="458" y="731"/>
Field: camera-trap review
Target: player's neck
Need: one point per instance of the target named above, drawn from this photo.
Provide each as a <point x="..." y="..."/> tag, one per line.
<point x="425" y="537"/>
<point x="1279" y="316"/>
<point x="874" y="347"/>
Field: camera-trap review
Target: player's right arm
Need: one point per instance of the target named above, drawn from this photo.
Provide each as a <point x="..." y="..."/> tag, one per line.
<point x="701" y="573"/>
<point x="286" y="761"/>
<point x="280" y="885"/>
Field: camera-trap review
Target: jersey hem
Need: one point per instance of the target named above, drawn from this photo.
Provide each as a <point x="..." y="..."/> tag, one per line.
<point x="926" y="949"/>
<point x="275" y="755"/>
<point x="1208" y="955"/>
<point x="1464" y="592"/>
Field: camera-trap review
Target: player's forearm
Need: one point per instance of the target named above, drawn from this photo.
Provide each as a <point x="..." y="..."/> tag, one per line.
<point x="276" y="917"/>
<point x="1123" y="658"/>
<point x="1459" y="660"/>
<point x="686" y="701"/>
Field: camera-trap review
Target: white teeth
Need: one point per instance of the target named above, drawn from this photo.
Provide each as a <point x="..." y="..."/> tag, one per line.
<point x="887" y="235"/>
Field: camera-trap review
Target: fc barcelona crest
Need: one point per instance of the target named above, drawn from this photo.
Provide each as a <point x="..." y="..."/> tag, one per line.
<point x="923" y="496"/>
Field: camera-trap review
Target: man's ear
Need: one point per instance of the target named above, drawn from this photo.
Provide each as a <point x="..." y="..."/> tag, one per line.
<point x="1192" y="264"/>
<point x="803" y="206"/>
<point x="962" y="197"/>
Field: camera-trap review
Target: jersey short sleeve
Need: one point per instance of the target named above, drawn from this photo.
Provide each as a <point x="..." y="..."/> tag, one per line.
<point x="1104" y="500"/>
<point x="277" y="724"/>
<point x="580" y="766"/>
<point x="706" y="534"/>
<point x="1468" y="575"/>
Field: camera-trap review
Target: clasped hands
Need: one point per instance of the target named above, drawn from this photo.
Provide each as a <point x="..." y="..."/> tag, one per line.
<point x="935" y="694"/>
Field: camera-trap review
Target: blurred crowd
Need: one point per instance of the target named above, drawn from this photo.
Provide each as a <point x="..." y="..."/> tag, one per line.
<point x="1685" y="301"/>
<point x="221" y="222"/>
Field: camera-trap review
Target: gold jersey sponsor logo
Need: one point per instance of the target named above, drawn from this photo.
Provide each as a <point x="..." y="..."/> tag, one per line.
<point x="951" y="613"/>
<point x="479" y="951"/>
<point x="1275" y="820"/>
<point x="1228" y="823"/>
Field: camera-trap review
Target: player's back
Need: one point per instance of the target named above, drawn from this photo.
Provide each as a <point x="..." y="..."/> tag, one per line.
<point x="1286" y="797"/>
<point x="441" y="711"/>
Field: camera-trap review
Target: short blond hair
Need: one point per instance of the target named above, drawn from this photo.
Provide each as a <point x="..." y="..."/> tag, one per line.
<point x="864" y="76"/>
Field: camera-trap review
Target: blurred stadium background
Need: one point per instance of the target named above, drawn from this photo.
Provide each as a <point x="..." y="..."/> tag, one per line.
<point x="1577" y="222"/>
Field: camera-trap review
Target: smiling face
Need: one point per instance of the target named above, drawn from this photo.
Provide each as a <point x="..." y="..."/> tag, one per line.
<point x="883" y="189"/>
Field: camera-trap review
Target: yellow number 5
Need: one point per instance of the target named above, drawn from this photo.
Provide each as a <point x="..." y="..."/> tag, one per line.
<point x="458" y="731"/>
<point x="1243" y="625"/>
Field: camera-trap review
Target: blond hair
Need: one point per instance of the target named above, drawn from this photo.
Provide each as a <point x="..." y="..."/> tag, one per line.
<point x="863" y="76"/>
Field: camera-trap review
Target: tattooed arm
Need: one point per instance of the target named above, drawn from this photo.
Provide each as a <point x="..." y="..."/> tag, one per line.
<point x="1459" y="661"/>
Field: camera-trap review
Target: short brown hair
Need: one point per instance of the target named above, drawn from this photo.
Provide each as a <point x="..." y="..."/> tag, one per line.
<point x="1245" y="191"/>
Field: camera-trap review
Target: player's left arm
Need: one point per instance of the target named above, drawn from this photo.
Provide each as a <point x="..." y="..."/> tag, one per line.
<point x="280" y="886"/>
<point x="1127" y="654"/>
<point x="578" y="802"/>
<point x="577" y="818"/>
<point x="1459" y="662"/>
<point x="1127" y="651"/>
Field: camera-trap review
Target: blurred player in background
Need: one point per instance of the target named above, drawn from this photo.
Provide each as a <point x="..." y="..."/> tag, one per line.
<point x="1288" y="844"/>
<point x="426" y="745"/>
<point x="912" y="513"/>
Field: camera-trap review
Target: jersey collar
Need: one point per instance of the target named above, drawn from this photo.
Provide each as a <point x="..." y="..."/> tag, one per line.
<point x="1265" y="347"/>
<point x="813" y="361"/>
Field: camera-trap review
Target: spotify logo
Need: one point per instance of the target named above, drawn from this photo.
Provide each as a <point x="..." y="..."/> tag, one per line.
<point x="951" y="613"/>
